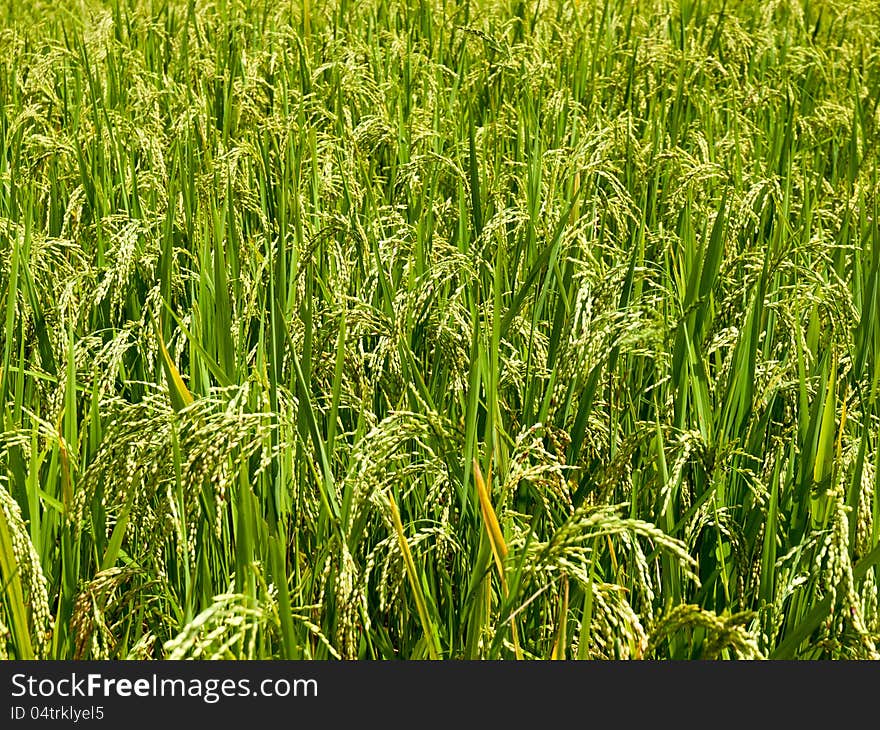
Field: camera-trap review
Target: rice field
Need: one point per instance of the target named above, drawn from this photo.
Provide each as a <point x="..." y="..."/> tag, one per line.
<point x="439" y="329"/>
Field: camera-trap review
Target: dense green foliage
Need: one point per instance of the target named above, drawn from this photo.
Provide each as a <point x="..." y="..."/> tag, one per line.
<point x="439" y="328"/>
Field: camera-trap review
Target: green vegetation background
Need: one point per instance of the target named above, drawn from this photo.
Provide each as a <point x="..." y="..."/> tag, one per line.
<point x="439" y="328"/>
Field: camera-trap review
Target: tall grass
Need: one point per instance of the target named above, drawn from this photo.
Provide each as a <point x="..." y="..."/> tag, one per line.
<point x="449" y="328"/>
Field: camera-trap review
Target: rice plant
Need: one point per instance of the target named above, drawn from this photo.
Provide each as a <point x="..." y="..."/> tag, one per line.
<point x="466" y="329"/>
